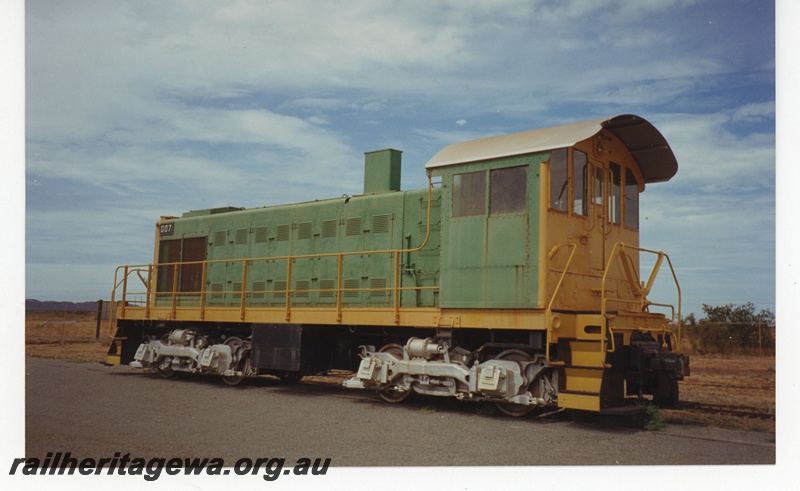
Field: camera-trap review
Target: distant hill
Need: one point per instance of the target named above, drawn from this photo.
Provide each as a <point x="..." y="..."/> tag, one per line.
<point x="38" y="305"/>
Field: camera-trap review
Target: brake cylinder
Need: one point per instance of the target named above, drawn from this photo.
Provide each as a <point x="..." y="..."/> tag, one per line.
<point x="423" y="348"/>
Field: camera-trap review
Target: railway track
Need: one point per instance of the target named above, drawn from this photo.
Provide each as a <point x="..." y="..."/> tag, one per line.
<point x="739" y="411"/>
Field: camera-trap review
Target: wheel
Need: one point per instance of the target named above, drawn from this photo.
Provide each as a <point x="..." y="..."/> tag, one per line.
<point x="234" y="342"/>
<point x="393" y="395"/>
<point x="514" y="410"/>
<point x="244" y="367"/>
<point x="165" y="368"/>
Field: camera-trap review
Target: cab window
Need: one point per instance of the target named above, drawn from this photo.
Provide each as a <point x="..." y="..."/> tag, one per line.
<point x="631" y="200"/>
<point x="469" y="194"/>
<point x="509" y="190"/>
<point x="559" y="180"/>
<point x="580" y="176"/>
<point x="615" y="204"/>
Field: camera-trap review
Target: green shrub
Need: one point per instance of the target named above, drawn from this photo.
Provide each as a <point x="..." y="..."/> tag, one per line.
<point x="654" y="420"/>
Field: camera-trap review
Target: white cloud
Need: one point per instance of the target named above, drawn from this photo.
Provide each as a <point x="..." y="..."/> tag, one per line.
<point x="755" y="112"/>
<point x="711" y="156"/>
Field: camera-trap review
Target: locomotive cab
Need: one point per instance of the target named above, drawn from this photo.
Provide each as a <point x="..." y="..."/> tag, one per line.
<point x="548" y="220"/>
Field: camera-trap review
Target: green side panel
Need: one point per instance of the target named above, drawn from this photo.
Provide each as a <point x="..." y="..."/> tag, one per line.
<point x="464" y="263"/>
<point x="491" y="260"/>
<point x="507" y="274"/>
<point x="421" y="269"/>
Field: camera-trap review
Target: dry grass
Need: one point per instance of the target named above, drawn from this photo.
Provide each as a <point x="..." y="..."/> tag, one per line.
<point x="67" y="335"/>
<point x="736" y="392"/>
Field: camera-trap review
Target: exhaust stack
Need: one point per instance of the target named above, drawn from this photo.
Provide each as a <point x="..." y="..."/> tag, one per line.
<point x="382" y="171"/>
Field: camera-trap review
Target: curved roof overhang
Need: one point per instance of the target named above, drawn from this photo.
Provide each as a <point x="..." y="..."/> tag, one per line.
<point x="645" y="143"/>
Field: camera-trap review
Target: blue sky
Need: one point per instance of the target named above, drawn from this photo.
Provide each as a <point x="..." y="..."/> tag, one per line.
<point x="146" y="108"/>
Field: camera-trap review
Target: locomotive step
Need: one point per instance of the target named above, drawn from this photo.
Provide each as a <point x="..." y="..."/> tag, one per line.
<point x="580" y="379"/>
<point x="574" y="399"/>
<point x="581" y="352"/>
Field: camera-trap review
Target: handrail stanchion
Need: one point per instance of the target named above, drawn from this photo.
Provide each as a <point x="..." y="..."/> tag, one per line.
<point x="339" y="268"/>
<point x="124" y="291"/>
<point x="175" y="274"/>
<point x="289" y="261"/>
<point x="396" y="291"/>
<point x="203" y="291"/>
<point x="147" y="296"/>
<point x="244" y="289"/>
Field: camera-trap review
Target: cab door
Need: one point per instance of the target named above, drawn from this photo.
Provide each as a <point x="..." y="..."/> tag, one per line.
<point x="598" y="226"/>
<point x="605" y="203"/>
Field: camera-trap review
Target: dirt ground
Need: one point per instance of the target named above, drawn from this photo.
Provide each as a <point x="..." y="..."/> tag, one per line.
<point x="66" y="335"/>
<point x="736" y="392"/>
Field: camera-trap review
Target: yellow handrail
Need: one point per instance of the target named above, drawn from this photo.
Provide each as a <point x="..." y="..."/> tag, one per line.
<point x="640" y="291"/>
<point x="549" y="310"/>
<point x="124" y="283"/>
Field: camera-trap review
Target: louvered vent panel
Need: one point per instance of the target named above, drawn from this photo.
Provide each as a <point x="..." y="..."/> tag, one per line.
<point x="258" y="289"/>
<point x="378" y="287"/>
<point x="328" y="288"/>
<point x="380" y="224"/>
<point x="304" y="230"/>
<point x="353" y="226"/>
<point x="329" y="228"/>
<point x="219" y="238"/>
<point x="284" y="232"/>
<point x="262" y="235"/>
<point x="241" y="236"/>
<point x="216" y="290"/>
<point x="352" y="283"/>
<point x="280" y="290"/>
<point x="301" y="288"/>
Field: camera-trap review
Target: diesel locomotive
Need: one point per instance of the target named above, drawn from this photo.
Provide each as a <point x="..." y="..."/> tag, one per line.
<point x="514" y="278"/>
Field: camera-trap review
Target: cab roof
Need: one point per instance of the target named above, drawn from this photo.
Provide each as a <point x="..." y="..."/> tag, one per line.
<point x="645" y="143"/>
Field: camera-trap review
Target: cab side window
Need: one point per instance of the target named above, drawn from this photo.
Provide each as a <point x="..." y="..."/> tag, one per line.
<point x="580" y="174"/>
<point x="469" y="194"/>
<point x="559" y="180"/>
<point x="615" y="208"/>
<point x="509" y="190"/>
<point x="631" y="200"/>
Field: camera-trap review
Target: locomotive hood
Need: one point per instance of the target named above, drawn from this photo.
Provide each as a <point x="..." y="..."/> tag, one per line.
<point x="648" y="147"/>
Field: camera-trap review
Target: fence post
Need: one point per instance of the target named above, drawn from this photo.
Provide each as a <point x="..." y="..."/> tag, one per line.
<point x="98" y="318"/>
<point x="759" y="338"/>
